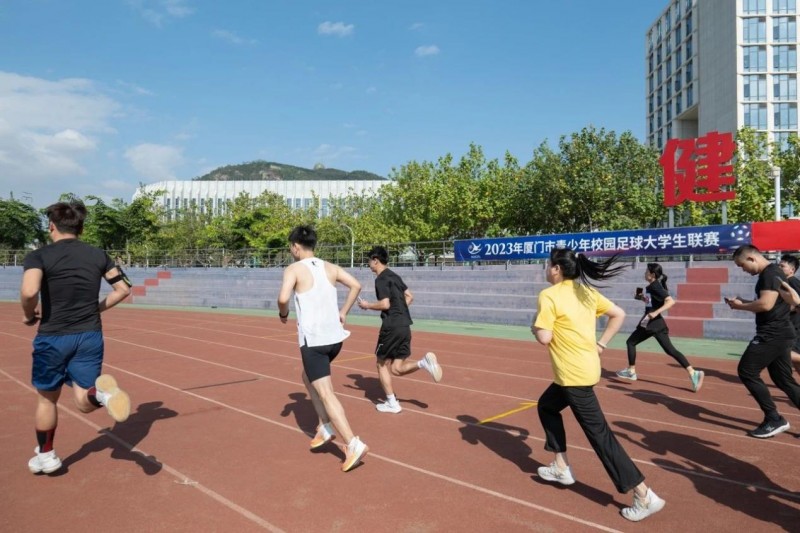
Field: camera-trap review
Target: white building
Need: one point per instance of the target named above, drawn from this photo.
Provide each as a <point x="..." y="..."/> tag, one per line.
<point x="719" y="65"/>
<point x="298" y="194"/>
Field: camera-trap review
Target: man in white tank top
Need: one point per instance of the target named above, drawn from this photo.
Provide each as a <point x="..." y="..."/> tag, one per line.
<point x="320" y="328"/>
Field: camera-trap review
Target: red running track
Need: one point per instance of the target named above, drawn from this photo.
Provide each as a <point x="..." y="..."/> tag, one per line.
<point x="218" y="439"/>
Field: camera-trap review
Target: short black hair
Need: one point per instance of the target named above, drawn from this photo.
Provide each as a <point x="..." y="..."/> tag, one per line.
<point x="791" y="260"/>
<point x="379" y="253"/>
<point x="305" y="236"/>
<point x="745" y="249"/>
<point x="67" y="217"/>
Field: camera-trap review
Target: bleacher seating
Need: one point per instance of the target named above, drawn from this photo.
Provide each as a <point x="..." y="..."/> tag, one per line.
<point x="469" y="294"/>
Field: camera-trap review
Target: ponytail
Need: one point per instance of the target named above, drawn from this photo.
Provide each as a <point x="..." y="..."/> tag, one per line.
<point x="574" y="266"/>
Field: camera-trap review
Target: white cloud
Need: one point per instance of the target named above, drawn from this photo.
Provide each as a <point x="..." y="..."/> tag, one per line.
<point x="339" y="29"/>
<point x="430" y="50"/>
<point x="155" y="161"/>
<point x="29" y="103"/>
<point x="232" y="37"/>
<point x="416" y="26"/>
<point x="371" y="89"/>
<point x="157" y="11"/>
<point x="48" y="128"/>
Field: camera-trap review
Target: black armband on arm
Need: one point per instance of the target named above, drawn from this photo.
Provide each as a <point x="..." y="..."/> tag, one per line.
<point x="120" y="277"/>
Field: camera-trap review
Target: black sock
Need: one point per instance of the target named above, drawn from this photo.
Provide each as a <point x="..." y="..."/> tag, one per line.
<point x="45" y="439"/>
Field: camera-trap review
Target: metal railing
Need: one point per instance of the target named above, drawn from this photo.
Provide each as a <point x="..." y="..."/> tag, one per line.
<point x="437" y="254"/>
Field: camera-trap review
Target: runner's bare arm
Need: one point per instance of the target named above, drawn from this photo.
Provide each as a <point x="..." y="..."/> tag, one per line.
<point x="409" y="297"/>
<point x="287" y="286"/>
<point x="121" y="289"/>
<point x="29" y="294"/>
<point x="346" y="279"/>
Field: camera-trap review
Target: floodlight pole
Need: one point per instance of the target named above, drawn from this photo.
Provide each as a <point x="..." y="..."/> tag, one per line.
<point x="352" y="243"/>
<point x="776" y="175"/>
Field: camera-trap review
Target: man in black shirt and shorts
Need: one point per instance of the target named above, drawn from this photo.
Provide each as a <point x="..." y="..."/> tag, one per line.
<point x="771" y="346"/>
<point x="68" y="347"/>
<point x="394" y="339"/>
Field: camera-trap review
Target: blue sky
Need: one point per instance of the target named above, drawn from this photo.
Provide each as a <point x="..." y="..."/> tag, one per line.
<point x="97" y="96"/>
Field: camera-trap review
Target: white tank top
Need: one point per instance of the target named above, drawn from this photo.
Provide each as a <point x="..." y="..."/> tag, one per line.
<point x="318" y="309"/>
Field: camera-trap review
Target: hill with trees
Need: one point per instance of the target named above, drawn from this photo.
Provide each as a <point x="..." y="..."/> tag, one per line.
<point x="270" y="171"/>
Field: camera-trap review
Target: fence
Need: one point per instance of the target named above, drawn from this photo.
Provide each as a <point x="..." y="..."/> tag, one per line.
<point x="414" y="254"/>
<point x="436" y="253"/>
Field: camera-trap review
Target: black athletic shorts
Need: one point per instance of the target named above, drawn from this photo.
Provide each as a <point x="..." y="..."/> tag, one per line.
<point x="394" y="343"/>
<point x="317" y="360"/>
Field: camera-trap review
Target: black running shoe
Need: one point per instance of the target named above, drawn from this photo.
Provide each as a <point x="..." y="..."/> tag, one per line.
<point x="769" y="428"/>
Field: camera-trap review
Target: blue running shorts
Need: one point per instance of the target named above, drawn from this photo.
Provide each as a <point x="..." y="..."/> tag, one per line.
<point x="74" y="358"/>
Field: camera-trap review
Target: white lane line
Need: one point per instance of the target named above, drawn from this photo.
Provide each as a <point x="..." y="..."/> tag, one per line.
<point x="300" y="385"/>
<point x="184" y="479"/>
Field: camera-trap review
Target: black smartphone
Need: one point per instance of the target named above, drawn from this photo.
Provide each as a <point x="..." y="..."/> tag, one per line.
<point x="639" y="291"/>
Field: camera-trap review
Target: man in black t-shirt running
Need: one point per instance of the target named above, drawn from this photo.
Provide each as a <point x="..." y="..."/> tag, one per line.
<point x="394" y="339"/>
<point x="790" y="265"/>
<point x="771" y="346"/>
<point x="68" y="347"/>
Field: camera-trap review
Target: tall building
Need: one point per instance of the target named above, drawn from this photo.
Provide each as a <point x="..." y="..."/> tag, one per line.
<point x="720" y="65"/>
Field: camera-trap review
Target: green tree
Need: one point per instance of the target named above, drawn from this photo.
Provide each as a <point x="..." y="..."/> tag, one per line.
<point x="788" y="160"/>
<point x="141" y="219"/>
<point x="20" y="225"/>
<point x="447" y="199"/>
<point x="596" y="181"/>
<point x="754" y="200"/>
<point x="105" y="225"/>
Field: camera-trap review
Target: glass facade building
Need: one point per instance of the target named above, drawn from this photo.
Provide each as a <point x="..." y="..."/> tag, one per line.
<point x="719" y="65"/>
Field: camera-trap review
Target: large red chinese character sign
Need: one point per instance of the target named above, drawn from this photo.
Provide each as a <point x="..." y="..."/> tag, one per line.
<point x="698" y="170"/>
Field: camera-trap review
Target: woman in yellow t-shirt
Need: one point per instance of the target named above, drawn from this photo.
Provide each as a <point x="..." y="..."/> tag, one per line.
<point x="566" y="323"/>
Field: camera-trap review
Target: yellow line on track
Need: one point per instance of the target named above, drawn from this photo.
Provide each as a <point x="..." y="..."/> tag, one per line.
<point x="523" y="407"/>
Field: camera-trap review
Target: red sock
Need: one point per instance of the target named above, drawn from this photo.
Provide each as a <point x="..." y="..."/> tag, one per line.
<point x="92" y="395"/>
<point x="45" y="439"/>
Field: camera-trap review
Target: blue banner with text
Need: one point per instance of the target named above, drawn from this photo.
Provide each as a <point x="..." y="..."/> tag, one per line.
<point x="657" y="241"/>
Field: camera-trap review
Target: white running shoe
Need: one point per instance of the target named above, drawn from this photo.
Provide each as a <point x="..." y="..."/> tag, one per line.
<point x="553" y="473"/>
<point x="642" y="509"/>
<point x="116" y="400"/>
<point x="386" y="407"/>
<point x="47" y="462"/>
<point x="432" y="366"/>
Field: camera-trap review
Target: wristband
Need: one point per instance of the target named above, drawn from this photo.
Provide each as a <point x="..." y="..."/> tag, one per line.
<point x="283" y="316"/>
<point x="603" y="346"/>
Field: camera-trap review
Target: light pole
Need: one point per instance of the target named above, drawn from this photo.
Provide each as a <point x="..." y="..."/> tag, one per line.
<point x="352" y="243"/>
<point x="776" y="175"/>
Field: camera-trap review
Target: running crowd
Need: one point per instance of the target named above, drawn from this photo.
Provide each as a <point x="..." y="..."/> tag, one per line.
<point x="60" y="292"/>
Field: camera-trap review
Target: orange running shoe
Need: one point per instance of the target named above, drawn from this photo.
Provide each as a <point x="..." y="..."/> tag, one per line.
<point x="324" y="434"/>
<point x="354" y="452"/>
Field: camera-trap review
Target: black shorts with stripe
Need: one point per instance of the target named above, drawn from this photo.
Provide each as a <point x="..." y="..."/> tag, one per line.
<point x="394" y="343"/>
